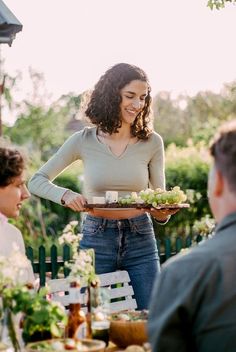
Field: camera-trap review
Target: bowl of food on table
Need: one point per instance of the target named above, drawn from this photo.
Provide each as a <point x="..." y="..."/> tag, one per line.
<point x="65" y="345"/>
<point x="129" y="328"/>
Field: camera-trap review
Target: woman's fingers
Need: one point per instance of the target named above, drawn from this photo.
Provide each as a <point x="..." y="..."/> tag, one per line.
<point x="162" y="214"/>
<point x="74" y="201"/>
<point x="166" y="212"/>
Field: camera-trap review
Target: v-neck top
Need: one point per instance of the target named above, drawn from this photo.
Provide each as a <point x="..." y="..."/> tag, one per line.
<point x="140" y="166"/>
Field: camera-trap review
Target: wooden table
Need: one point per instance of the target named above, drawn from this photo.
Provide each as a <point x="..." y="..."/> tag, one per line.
<point x="113" y="348"/>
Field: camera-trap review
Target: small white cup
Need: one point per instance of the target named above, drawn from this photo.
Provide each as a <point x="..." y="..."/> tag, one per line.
<point x="111" y="197"/>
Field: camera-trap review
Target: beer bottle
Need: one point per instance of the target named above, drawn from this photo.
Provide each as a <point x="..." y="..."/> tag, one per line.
<point x="76" y="326"/>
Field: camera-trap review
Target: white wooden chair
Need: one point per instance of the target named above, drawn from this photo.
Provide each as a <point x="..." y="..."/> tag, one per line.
<point x="60" y="291"/>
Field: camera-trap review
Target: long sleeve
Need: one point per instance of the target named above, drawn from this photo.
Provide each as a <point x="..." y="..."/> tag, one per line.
<point x="41" y="182"/>
<point x="157" y="165"/>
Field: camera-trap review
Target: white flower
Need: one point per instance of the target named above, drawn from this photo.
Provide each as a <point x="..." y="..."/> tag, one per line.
<point x="190" y="195"/>
<point x="13" y="267"/>
<point x="80" y="236"/>
<point x="74" y="223"/>
<point x="70" y="226"/>
<point x="198" y="195"/>
<point x="69" y="238"/>
<point x="81" y="265"/>
<point x="67" y="228"/>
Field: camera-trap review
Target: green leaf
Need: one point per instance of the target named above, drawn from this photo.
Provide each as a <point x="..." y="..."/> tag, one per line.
<point x="55" y="331"/>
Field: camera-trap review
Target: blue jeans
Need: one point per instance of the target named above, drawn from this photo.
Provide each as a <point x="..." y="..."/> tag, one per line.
<point x="127" y="244"/>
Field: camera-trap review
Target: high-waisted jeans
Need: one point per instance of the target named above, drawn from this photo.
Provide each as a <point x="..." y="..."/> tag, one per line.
<point x="127" y="244"/>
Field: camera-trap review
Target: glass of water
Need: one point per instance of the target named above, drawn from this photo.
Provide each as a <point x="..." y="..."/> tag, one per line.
<point x="100" y="313"/>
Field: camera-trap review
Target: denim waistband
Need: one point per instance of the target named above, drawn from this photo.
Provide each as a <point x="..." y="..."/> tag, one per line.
<point x="110" y="223"/>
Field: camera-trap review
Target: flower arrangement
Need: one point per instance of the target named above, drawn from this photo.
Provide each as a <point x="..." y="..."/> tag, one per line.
<point x="39" y="315"/>
<point x="205" y="226"/>
<point x="81" y="265"/>
<point x="13" y="269"/>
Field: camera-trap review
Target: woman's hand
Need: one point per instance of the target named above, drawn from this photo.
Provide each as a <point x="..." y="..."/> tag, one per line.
<point x="73" y="200"/>
<point x="162" y="215"/>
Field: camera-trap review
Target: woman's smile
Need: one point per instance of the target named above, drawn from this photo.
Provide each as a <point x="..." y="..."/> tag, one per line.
<point x="133" y="99"/>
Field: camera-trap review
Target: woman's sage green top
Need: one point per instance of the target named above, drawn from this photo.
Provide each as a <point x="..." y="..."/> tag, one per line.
<point x="140" y="166"/>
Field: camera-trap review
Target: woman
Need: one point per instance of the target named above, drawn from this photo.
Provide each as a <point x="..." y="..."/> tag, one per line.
<point x="121" y="153"/>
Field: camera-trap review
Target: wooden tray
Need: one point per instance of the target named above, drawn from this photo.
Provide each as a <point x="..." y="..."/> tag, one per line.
<point x="114" y="206"/>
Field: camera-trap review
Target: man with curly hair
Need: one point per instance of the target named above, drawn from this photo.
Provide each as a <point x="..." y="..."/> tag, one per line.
<point x="13" y="192"/>
<point x="194" y="301"/>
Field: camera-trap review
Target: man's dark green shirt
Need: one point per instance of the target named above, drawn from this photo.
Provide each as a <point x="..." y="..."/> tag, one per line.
<point x="193" y="304"/>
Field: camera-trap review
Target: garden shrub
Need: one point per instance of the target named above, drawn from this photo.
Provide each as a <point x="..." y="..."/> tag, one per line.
<point x="188" y="168"/>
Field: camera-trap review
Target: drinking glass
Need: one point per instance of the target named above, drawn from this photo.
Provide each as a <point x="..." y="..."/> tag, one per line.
<point x="100" y="313"/>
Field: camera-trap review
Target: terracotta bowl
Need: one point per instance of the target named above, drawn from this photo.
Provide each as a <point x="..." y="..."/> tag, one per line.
<point x="128" y="332"/>
<point x="58" y="345"/>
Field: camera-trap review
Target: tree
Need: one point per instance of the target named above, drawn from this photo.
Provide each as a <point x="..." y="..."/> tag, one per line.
<point x="169" y="118"/>
<point x="218" y="4"/>
<point x="40" y="126"/>
<point x="41" y="129"/>
<point x="178" y="119"/>
<point x="7" y="84"/>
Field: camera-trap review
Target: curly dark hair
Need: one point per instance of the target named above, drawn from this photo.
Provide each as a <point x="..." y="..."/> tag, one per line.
<point x="103" y="109"/>
<point x="12" y="164"/>
<point x="223" y="150"/>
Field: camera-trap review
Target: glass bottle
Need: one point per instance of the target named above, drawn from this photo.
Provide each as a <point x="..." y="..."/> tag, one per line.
<point x="76" y="326"/>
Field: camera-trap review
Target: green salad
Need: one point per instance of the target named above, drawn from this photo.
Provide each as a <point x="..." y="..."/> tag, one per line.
<point x="130" y="315"/>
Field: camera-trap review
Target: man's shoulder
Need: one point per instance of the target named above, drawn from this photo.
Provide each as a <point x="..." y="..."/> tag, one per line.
<point x="12" y="229"/>
<point x="10" y="235"/>
<point x="14" y="234"/>
<point x="199" y="256"/>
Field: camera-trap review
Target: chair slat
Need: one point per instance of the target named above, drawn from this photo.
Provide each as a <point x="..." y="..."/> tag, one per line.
<point x="113" y="278"/>
<point x="60" y="290"/>
<point x="123" y="305"/>
<point x="121" y="292"/>
<point x="57" y="285"/>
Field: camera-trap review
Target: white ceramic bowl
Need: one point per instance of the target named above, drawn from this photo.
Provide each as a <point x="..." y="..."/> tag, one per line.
<point x="58" y="345"/>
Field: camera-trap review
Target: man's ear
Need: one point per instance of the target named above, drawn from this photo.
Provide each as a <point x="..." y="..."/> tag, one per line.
<point x="219" y="183"/>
